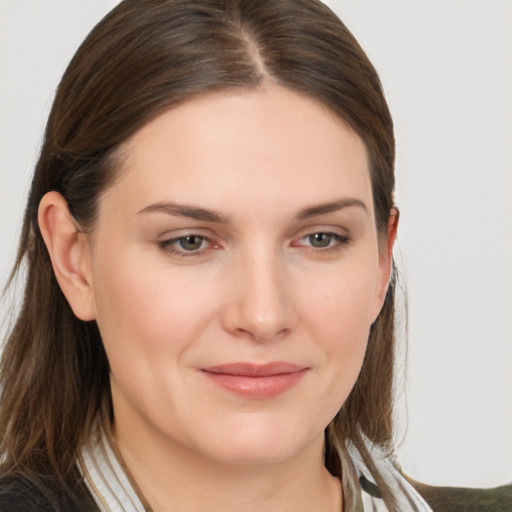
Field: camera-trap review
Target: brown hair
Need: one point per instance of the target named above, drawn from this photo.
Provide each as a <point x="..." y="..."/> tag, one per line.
<point x="141" y="59"/>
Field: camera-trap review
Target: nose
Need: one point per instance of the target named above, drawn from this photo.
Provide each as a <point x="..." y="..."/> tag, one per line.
<point x="260" y="304"/>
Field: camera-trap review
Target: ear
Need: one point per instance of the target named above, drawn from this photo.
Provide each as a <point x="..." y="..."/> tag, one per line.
<point x="69" y="253"/>
<point x="386" y="259"/>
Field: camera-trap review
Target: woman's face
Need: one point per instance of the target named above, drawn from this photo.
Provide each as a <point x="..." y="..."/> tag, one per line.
<point x="235" y="273"/>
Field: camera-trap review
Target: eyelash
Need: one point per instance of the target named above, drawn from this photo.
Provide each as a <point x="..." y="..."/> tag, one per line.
<point x="340" y="241"/>
<point x="171" y="245"/>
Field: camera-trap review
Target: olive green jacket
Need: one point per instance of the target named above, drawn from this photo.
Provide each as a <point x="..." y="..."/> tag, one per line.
<point x="462" y="499"/>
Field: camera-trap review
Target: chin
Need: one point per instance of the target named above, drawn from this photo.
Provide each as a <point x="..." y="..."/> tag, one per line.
<point x="255" y="455"/>
<point x="263" y="443"/>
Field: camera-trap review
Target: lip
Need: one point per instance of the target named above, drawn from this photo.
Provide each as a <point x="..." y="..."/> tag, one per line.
<point x="256" y="380"/>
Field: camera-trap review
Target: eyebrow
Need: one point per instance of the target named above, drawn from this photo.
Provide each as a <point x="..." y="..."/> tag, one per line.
<point x="330" y="207"/>
<point x="203" y="214"/>
<point x="182" y="210"/>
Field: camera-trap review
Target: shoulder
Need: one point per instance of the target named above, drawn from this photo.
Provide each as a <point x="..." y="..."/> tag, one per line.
<point x="465" y="499"/>
<point x="20" y="493"/>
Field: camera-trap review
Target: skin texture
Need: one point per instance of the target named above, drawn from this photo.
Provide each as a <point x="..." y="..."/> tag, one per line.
<point x="253" y="284"/>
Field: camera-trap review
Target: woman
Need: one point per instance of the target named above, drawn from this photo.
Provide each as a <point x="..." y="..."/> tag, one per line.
<point x="208" y="314"/>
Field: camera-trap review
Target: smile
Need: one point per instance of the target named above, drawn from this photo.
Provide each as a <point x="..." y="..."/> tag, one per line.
<point x="256" y="381"/>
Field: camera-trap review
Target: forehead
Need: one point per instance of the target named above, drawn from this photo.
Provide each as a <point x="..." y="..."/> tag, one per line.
<point x="265" y="145"/>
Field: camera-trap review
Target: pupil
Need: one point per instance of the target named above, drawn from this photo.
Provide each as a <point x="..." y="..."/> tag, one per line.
<point x="320" y="240"/>
<point x="191" y="243"/>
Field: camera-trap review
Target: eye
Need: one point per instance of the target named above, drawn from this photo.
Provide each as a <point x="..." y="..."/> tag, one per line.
<point x="323" y="240"/>
<point x="185" y="245"/>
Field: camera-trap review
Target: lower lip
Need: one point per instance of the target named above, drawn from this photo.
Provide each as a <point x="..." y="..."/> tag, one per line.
<point x="257" y="387"/>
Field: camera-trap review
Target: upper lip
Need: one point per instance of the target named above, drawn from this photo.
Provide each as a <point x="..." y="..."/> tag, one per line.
<point x="255" y="370"/>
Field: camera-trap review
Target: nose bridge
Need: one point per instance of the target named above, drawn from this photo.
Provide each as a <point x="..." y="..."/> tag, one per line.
<point x="262" y="305"/>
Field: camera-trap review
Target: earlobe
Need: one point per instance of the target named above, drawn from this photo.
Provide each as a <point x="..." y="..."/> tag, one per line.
<point x="69" y="253"/>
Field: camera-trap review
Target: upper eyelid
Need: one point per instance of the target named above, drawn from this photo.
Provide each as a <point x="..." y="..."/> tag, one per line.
<point x="174" y="239"/>
<point x="328" y="230"/>
<point x="174" y="234"/>
<point x="303" y="233"/>
<point x="223" y="239"/>
<point x="336" y="236"/>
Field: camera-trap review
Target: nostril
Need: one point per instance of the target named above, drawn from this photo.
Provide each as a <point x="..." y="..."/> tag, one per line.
<point x="260" y="304"/>
<point x="242" y="322"/>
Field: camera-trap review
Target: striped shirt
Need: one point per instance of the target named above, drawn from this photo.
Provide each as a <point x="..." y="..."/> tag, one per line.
<point x="112" y="491"/>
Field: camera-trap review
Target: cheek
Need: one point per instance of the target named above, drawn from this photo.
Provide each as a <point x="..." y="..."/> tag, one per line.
<point x="339" y="318"/>
<point x="343" y="303"/>
<point x="146" y="312"/>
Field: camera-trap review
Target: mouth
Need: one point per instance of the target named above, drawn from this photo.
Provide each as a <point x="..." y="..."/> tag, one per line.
<point x="255" y="380"/>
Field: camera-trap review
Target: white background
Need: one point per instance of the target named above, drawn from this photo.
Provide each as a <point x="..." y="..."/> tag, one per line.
<point x="446" y="66"/>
